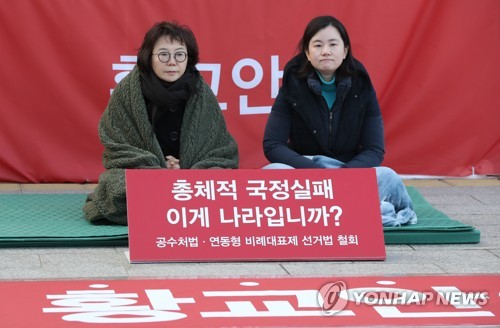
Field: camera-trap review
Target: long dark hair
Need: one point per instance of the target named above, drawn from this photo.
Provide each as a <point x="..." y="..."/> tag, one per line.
<point x="315" y="25"/>
<point x="177" y="32"/>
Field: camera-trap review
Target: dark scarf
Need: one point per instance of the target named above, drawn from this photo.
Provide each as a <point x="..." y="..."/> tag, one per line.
<point x="164" y="95"/>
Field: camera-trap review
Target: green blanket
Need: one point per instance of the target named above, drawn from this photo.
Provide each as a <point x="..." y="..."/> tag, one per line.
<point x="56" y="220"/>
<point x="130" y="142"/>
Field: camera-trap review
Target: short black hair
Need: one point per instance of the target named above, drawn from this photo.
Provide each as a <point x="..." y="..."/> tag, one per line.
<point x="314" y="26"/>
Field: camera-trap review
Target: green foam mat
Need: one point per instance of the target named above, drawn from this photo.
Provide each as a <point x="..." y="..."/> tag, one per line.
<point x="56" y="220"/>
<point x="32" y="220"/>
<point x="433" y="227"/>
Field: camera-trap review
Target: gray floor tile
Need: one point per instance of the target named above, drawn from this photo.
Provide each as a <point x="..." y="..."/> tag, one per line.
<point x="452" y="261"/>
<point x="335" y="269"/>
<point x="488" y="199"/>
<point x="183" y="270"/>
<point x="12" y="260"/>
<point x="68" y="272"/>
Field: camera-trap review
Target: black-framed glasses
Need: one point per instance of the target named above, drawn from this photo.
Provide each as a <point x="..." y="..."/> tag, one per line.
<point x="179" y="56"/>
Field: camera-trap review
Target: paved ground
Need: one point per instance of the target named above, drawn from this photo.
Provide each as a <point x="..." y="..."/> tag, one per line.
<point x="472" y="201"/>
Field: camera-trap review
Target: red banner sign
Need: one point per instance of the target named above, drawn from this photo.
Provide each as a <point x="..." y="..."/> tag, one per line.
<point x="252" y="302"/>
<point x="58" y="84"/>
<point x="234" y="215"/>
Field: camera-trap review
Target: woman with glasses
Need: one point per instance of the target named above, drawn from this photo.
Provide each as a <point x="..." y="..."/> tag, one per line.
<point x="326" y="115"/>
<point x="161" y="115"/>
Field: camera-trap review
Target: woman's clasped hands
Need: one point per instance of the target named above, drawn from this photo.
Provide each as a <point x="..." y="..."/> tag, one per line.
<point x="172" y="162"/>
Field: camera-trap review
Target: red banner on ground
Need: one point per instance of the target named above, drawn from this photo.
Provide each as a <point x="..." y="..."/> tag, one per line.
<point x="254" y="215"/>
<point x="254" y="302"/>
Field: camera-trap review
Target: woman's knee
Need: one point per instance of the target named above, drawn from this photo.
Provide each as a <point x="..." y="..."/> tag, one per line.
<point x="277" y="166"/>
<point x="384" y="172"/>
